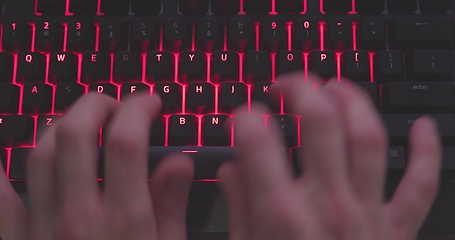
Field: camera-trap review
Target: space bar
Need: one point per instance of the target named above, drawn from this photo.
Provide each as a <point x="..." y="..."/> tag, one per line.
<point x="207" y="159"/>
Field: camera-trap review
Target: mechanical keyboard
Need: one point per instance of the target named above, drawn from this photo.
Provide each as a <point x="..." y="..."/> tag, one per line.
<point x="206" y="57"/>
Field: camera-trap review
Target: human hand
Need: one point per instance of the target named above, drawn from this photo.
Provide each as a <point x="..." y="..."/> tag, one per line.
<point x="340" y="194"/>
<point x="65" y="199"/>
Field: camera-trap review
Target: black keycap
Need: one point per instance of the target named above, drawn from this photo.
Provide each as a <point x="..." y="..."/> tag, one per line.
<point x="128" y="89"/>
<point x="146" y="7"/>
<point x="214" y="131"/>
<point x="370" y="6"/>
<point x="31" y="67"/>
<point x="16" y="130"/>
<point x="261" y="94"/>
<point x="158" y="131"/>
<point x="356" y="65"/>
<point x="16" y="35"/>
<point x="45" y="122"/>
<point x="224" y="65"/>
<point x="104" y="88"/>
<point x="113" y="35"/>
<point x="432" y="64"/>
<point x="306" y="33"/>
<point x="48" y="35"/>
<point x="396" y="159"/>
<point x="448" y="162"/>
<point x="192" y="65"/>
<point x="115" y="7"/>
<point x="288" y="125"/>
<point x="176" y="33"/>
<point x="232" y="95"/>
<point x="209" y="34"/>
<point x="226" y="6"/>
<point x="6" y="67"/>
<point x="428" y="6"/>
<point x="127" y="66"/>
<point x="388" y="66"/>
<point x="37" y="98"/>
<point x="423" y="97"/>
<point x="63" y="67"/>
<point x="371" y="90"/>
<point x="194" y="7"/>
<point x="273" y="32"/>
<point x="403" y="6"/>
<point x="340" y="33"/>
<point x="143" y="34"/>
<point x="80" y="7"/>
<point x="289" y="61"/>
<point x="3" y="157"/>
<point x="81" y="35"/>
<point x="257" y="66"/>
<point x="257" y="6"/>
<point x="9" y="98"/>
<point x="289" y="6"/>
<point x="51" y="6"/>
<point x="323" y="63"/>
<point x="160" y="66"/>
<point x="95" y="66"/>
<point x="200" y="97"/>
<point x="240" y="33"/>
<point x="297" y="166"/>
<point x="183" y="130"/>
<point x="423" y="29"/>
<point x="171" y="96"/>
<point x="372" y="33"/>
<point x="337" y="6"/>
<point x="18" y="163"/>
<point x="66" y="95"/>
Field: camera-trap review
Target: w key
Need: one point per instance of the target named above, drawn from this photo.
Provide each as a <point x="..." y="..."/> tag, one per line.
<point x="432" y="64"/>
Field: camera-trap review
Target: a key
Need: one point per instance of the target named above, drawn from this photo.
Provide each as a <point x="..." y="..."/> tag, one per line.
<point x="45" y="122"/>
<point x="176" y="33"/>
<point x="16" y="130"/>
<point x="226" y="6"/>
<point x="232" y="95"/>
<point x="340" y="33"/>
<point x="200" y="97"/>
<point x="160" y="66"/>
<point x="403" y="6"/>
<point x="66" y="95"/>
<point x="37" y="98"/>
<point x="209" y="34"/>
<point x="428" y="6"/>
<point x="370" y="6"/>
<point x="63" y="67"/>
<point x="171" y="96"/>
<point x="288" y="125"/>
<point x="240" y="33"/>
<point x="80" y="7"/>
<point x="261" y="94"/>
<point x="289" y="61"/>
<point x="289" y="6"/>
<point x="432" y="64"/>
<point x="104" y="88"/>
<point x="18" y="163"/>
<point x="127" y="66"/>
<point x="95" y="66"/>
<point x="146" y="7"/>
<point x="51" y="6"/>
<point x="257" y="66"/>
<point x="81" y="35"/>
<point x="113" y="35"/>
<point x="388" y="66"/>
<point x="273" y="32"/>
<point x="337" y="6"/>
<point x="323" y="63"/>
<point x="224" y="65"/>
<point x="194" y="6"/>
<point x="143" y="34"/>
<point x="306" y="33"/>
<point x="257" y="6"/>
<point x="16" y="35"/>
<point x="183" y="130"/>
<point x="356" y="65"/>
<point x="115" y="7"/>
<point x="419" y="97"/>
<point x="128" y="89"/>
<point x="9" y="98"/>
<point x="158" y="131"/>
<point x="192" y="65"/>
<point x="31" y="67"/>
<point x="48" y="35"/>
<point x="6" y="67"/>
<point x="371" y="90"/>
<point x="213" y="130"/>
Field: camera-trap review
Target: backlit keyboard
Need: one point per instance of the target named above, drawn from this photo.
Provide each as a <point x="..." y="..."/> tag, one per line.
<point x="207" y="57"/>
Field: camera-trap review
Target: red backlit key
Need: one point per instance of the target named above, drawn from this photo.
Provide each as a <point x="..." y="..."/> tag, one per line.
<point x="127" y="66"/>
<point x="261" y="94"/>
<point x="81" y="35"/>
<point x="104" y="88"/>
<point x="224" y="65"/>
<point x="257" y="6"/>
<point x="289" y="61"/>
<point x="337" y="6"/>
<point x="194" y="6"/>
<point x="3" y="157"/>
<point x="288" y="125"/>
<point x="209" y="34"/>
<point x="37" y="98"/>
<point x="226" y="6"/>
<point x="171" y="96"/>
<point x="63" y="67"/>
<point x="176" y="34"/>
<point x="95" y="66"/>
<point x="129" y="89"/>
<point x="192" y="66"/>
<point x="48" y="35"/>
<point x="214" y="131"/>
<point x="45" y="122"/>
<point x="157" y="133"/>
<point x="306" y="33"/>
<point x="83" y="6"/>
<point x="15" y="130"/>
<point x="66" y="94"/>
<point x="232" y="95"/>
<point x="183" y="130"/>
<point x="6" y="67"/>
<point x="160" y="66"/>
<point x="258" y="66"/>
<point x="9" y="98"/>
<point x="146" y="7"/>
<point x="51" y="6"/>
<point x="340" y="33"/>
<point x="31" y="67"/>
<point x="356" y="65"/>
<point x="240" y="33"/>
<point x="16" y="35"/>
<point x="323" y="63"/>
<point x="273" y="32"/>
<point x="113" y="35"/>
<point x="200" y="97"/>
<point x="18" y="164"/>
<point x="388" y="66"/>
<point x="143" y="34"/>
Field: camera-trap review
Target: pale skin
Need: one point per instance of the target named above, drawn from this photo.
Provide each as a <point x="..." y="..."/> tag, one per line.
<point x="339" y="195"/>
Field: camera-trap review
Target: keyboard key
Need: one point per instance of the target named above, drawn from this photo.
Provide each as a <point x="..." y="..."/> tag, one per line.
<point x="288" y="125"/>
<point x="143" y="34"/>
<point x="16" y="35"/>
<point x="289" y="6"/>
<point x="80" y="7"/>
<point x="371" y="90"/>
<point x="306" y="33"/>
<point x="81" y="35"/>
<point x="3" y="157"/>
<point x="51" y="6"/>
<point x="257" y="66"/>
<point x="63" y="67"/>
<point x="289" y="61"/>
<point x="37" y="98"/>
<point x="6" y="67"/>
<point x="370" y="6"/>
<point x="232" y="95"/>
<point x="115" y="7"/>
<point x="388" y="66"/>
<point x="9" y="98"/>
<point x="192" y="65"/>
<point x="428" y="6"/>
<point x="183" y="130"/>
<point x="273" y="32"/>
<point x="226" y="6"/>
<point x="194" y="7"/>
<point x="240" y="33"/>
<point x="323" y="63"/>
<point x="127" y="66"/>
<point x="66" y="95"/>
<point x="340" y="33"/>
<point x="176" y="33"/>
<point x="261" y="94"/>
<point x="157" y="133"/>
<point x="448" y="162"/>
<point x="160" y="66"/>
<point x="403" y="6"/>
<point x="31" y="67"/>
<point x="432" y="64"/>
<point x="171" y="96"/>
<point x="200" y="97"/>
<point x="18" y="163"/>
<point x="423" y="29"/>
<point x="372" y="34"/>
<point x="337" y="6"/>
<point x="209" y="34"/>
<point x="423" y="97"/>
<point x="356" y="65"/>
<point x="95" y="66"/>
<point x="113" y="35"/>
<point x="104" y="88"/>
<point x="146" y="7"/>
<point x="48" y="35"/>
<point x="129" y="89"/>
<point x="214" y="131"/>
<point x="16" y="130"/>
<point x="225" y="65"/>
<point x="45" y="122"/>
<point x="396" y="159"/>
<point x="257" y="6"/>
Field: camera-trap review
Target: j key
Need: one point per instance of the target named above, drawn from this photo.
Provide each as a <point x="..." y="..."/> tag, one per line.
<point x="371" y="90"/>
<point x="214" y="131"/>
<point x="288" y="125"/>
<point x="226" y="6"/>
<point x="306" y="33"/>
<point x="160" y="66"/>
<point x="337" y="6"/>
<point x="373" y="33"/>
<point x="51" y="6"/>
<point x="95" y="66"/>
<point x="45" y="122"/>
<point x="194" y="7"/>
<point x="257" y="6"/>
<point x="428" y="6"/>
<point x="104" y="88"/>
<point x="37" y="98"/>
<point x="258" y="66"/>
<point x="127" y="66"/>
<point x="143" y="33"/>
<point x="432" y="64"/>
<point x="200" y="97"/>
<point x="15" y="130"/>
<point x="388" y="66"/>
<point x="48" y="35"/>
<point x="209" y="34"/>
<point x="66" y="95"/>
<point x="81" y="35"/>
<point x="63" y="67"/>
<point x="146" y="7"/>
<point x="370" y="6"/>
<point x="340" y="32"/>
<point x="273" y="32"/>
<point x="115" y="7"/>
<point x="232" y="95"/>
<point x="16" y="36"/>
<point x="176" y="33"/>
<point x="240" y="33"/>
<point x="192" y="65"/>
<point x="289" y="61"/>
<point x="224" y="65"/>
<point x="158" y="131"/>
<point x="128" y="89"/>
<point x="403" y="6"/>
<point x="83" y="6"/>
<point x="423" y="29"/>
<point x="183" y="130"/>
<point x="31" y="67"/>
<point x="356" y="65"/>
<point x="113" y="35"/>
<point x="18" y="163"/>
<point x="171" y="96"/>
<point x="6" y="67"/>
<point x="9" y="98"/>
<point x="323" y="63"/>
<point x="423" y="97"/>
<point x="261" y="94"/>
<point x="398" y="126"/>
<point x="289" y="6"/>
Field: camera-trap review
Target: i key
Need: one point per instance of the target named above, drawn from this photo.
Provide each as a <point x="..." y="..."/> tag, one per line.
<point x="213" y="130"/>
<point x="63" y="67"/>
<point x="81" y="35"/>
<point x="16" y="36"/>
<point x="31" y="67"/>
<point x="356" y="65"/>
<point x="323" y="63"/>
<point x="183" y="130"/>
<point x="48" y="35"/>
<point x="225" y="65"/>
<point x="37" y="98"/>
<point x="273" y="32"/>
<point x="127" y="66"/>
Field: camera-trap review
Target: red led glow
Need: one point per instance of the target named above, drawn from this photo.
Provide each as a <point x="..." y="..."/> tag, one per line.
<point x="176" y="70"/>
<point x="111" y="79"/>
<point x="232" y="130"/>
<point x="338" y="55"/>
<point x="258" y="39"/>
<point x="98" y="9"/>
<point x="184" y="98"/>
<point x="199" y="130"/>
<point x="371" y="66"/>
<point x="321" y="6"/>
<point x="354" y="36"/>
<point x="79" y="72"/>
<point x="273" y="60"/>
<point x="1" y="37"/>
<point x="160" y="48"/>
<point x="8" y="162"/>
<point x="289" y="29"/>
<point x="225" y="37"/>
<point x="305" y="7"/>
<point x="166" y="129"/>
<point x="281" y="104"/>
<point x="241" y="57"/>
<point x="32" y="45"/>
<point x="353" y="10"/>
<point x="35" y="123"/>
<point x="97" y="37"/>
<point x="193" y="38"/>
<point x="321" y="35"/>
<point x="190" y="151"/>
<point x="65" y="36"/>
<point x="36" y="9"/>
<point x="241" y="12"/>
<point x="46" y="80"/>
<point x="217" y="88"/>
<point x="273" y="12"/>
<point x="21" y="86"/>
<point x="67" y="9"/>
<point x="305" y="62"/>
<point x="249" y="89"/>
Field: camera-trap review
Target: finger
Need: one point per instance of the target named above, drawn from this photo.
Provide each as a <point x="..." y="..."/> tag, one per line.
<point x="419" y="187"/>
<point x="366" y="140"/>
<point x="126" y="163"/>
<point x="260" y="153"/>
<point x="77" y="148"/>
<point x="170" y="186"/>
<point x="322" y="135"/>
<point x="237" y="198"/>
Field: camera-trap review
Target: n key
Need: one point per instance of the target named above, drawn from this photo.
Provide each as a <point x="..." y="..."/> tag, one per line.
<point x="432" y="64"/>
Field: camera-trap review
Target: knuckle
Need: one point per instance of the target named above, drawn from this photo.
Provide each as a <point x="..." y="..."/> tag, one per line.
<point x="324" y="112"/>
<point x="368" y="134"/>
<point x="123" y="139"/>
<point x="74" y="224"/>
<point x="69" y="130"/>
<point x="428" y="186"/>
